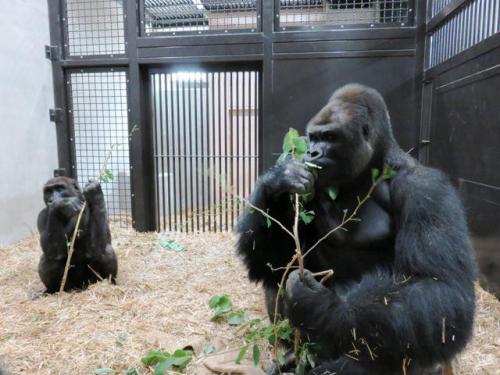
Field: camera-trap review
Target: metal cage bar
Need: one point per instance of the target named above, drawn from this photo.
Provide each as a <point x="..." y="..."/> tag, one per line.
<point x="207" y="120"/>
<point x="98" y="111"/>
<point x="94" y="28"/>
<point x="468" y="26"/>
<point x="343" y="13"/>
<point x="200" y="16"/>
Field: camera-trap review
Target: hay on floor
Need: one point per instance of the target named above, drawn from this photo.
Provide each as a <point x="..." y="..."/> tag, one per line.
<point x="160" y="302"/>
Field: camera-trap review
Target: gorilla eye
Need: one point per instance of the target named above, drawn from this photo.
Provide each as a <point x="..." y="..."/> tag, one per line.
<point x="366" y="130"/>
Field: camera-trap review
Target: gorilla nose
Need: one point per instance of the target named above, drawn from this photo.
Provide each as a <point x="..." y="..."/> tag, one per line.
<point x="314" y="155"/>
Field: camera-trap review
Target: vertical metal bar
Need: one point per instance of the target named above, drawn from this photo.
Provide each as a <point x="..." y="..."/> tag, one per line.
<point x="178" y="153"/>
<point x="184" y="154"/>
<point x="154" y="87"/>
<point x="168" y="149"/>
<point x="209" y="183"/>
<point x="214" y="160"/>
<point x="230" y="143"/>
<point x="221" y="176"/>
<point x="196" y="151"/>
<point x="202" y="153"/>
<point x="244" y="136"/>
<point x="228" y="198"/>
<point x="162" y="151"/>
<point x="172" y="173"/>
<point x="191" y="153"/>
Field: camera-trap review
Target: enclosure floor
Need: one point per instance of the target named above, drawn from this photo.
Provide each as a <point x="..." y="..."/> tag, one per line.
<point x="160" y="302"/>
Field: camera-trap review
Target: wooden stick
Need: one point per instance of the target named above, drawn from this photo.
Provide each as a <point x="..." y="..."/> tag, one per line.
<point x="71" y="248"/>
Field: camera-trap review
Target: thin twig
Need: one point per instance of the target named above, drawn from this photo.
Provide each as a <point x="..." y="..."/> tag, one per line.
<point x="351" y="217"/>
<point x="247" y="202"/>
<point x="71" y="248"/>
<point x="296" y="237"/>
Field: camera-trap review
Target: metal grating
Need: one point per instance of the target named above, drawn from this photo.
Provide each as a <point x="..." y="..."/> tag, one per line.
<point x="94" y="27"/>
<point x="206" y="147"/>
<point x="199" y="16"/>
<point x="99" y="113"/>
<point x="438" y="5"/>
<point x="474" y="23"/>
<point x="312" y="13"/>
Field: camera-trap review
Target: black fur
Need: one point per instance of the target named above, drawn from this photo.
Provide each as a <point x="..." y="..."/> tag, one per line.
<point x="403" y="288"/>
<point x="56" y="223"/>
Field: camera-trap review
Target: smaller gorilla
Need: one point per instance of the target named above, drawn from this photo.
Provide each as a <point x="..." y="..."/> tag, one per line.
<point x="93" y="254"/>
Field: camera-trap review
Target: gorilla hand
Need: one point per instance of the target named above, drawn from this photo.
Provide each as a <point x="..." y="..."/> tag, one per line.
<point x="290" y="176"/>
<point x="92" y="190"/>
<point x="307" y="299"/>
<point x="68" y="207"/>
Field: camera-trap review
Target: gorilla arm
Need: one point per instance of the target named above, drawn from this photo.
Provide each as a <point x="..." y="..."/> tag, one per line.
<point x="104" y="260"/>
<point x="56" y="223"/>
<point x="260" y="245"/>
<point x="423" y="307"/>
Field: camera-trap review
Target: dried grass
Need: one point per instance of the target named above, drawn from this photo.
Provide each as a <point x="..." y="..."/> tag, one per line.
<point x="160" y="302"/>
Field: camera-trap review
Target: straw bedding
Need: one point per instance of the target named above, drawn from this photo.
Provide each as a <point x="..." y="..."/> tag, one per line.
<point x="160" y="302"/>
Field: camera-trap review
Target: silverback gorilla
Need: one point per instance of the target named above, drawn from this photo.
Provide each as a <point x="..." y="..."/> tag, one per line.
<point x="402" y="296"/>
<point x="93" y="253"/>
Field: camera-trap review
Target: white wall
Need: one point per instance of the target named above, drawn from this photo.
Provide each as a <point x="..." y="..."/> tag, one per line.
<point x="28" y="149"/>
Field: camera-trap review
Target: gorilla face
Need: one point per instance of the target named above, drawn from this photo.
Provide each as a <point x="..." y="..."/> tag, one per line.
<point x="340" y="142"/>
<point x="61" y="187"/>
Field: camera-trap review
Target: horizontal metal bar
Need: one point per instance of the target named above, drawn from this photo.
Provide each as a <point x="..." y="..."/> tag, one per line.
<point x="343" y="45"/>
<point x="197" y="40"/>
<point x="199" y="59"/>
<point x="102" y="62"/>
<point x="208" y="156"/>
<point x="445" y="14"/>
<point x="481" y="48"/>
<point x="345" y="54"/>
<point x="343" y="34"/>
<point x="211" y="50"/>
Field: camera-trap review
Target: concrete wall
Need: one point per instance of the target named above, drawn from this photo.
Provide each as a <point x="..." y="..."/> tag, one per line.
<point x="27" y="138"/>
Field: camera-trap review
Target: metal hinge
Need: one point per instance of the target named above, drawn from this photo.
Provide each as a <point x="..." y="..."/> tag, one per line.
<point x="52" y="53"/>
<point x="55" y="114"/>
<point x="60" y="172"/>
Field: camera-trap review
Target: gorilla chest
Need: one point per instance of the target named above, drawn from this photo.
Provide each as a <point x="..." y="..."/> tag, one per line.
<point x="360" y="246"/>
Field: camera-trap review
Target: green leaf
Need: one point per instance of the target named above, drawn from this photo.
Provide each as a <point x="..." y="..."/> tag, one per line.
<point x="103" y="371"/>
<point x="154" y="357"/>
<point x="220" y="305"/>
<point x="132" y="371"/>
<point x="375" y="174"/>
<point x="288" y="141"/>
<point x="388" y="172"/>
<point x="181" y="358"/>
<point x="333" y="192"/>
<point x="300" y="147"/>
<point x="163" y="366"/>
<point x="307" y="217"/>
<point x="106" y="176"/>
<point x="241" y="354"/>
<point x="281" y="358"/>
<point x="208" y="349"/>
<point x="236" y="318"/>
<point x="311" y="359"/>
<point x="268" y="221"/>
<point x="172" y="245"/>
<point x="256" y="355"/>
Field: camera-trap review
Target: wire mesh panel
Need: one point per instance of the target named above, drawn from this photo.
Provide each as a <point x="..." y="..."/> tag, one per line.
<point x="200" y="15"/>
<point x="99" y="113"/>
<point x="94" y="27"/>
<point x="475" y="22"/>
<point x="312" y="13"/>
<point x="206" y="146"/>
